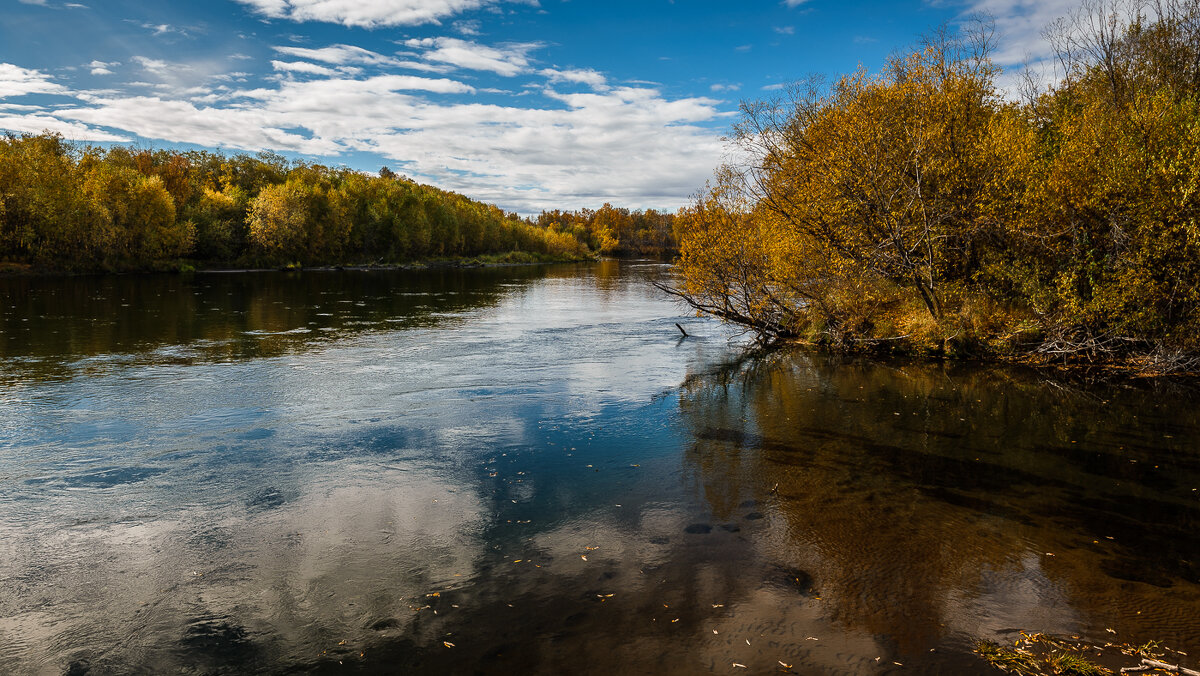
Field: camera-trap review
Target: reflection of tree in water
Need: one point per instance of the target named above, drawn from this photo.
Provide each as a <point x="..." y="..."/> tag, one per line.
<point x="926" y="500"/>
<point x="52" y="321"/>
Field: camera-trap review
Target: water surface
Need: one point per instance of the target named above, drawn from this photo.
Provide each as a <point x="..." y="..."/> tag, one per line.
<point x="528" y="470"/>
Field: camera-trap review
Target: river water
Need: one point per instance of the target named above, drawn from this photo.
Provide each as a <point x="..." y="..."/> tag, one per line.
<point x="530" y="470"/>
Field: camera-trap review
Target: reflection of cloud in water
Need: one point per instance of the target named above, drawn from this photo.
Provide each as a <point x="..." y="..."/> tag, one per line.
<point x="346" y="553"/>
<point x="1019" y="596"/>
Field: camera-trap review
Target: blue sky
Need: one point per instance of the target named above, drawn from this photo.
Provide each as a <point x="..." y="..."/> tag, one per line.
<point x="529" y="104"/>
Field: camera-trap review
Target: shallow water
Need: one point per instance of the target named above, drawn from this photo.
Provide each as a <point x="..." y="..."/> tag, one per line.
<point x="528" y="470"/>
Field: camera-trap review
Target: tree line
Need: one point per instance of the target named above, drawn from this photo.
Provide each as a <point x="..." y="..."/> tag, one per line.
<point x="66" y="206"/>
<point x="922" y="209"/>
<point x="617" y="231"/>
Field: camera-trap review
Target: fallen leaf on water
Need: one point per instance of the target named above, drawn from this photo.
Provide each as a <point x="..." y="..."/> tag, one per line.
<point x="740" y="666"/>
<point x="583" y="557"/>
<point x="718" y="605"/>
<point x="714" y="631"/>
<point x="1111" y="631"/>
<point x="674" y="620"/>
<point x="814" y="638"/>
<point x="897" y="664"/>
<point x="448" y="644"/>
<point x="518" y="560"/>
<point x="785" y="666"/>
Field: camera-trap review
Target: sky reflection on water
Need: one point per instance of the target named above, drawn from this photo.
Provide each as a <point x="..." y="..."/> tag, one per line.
<point x="334" y="471"/>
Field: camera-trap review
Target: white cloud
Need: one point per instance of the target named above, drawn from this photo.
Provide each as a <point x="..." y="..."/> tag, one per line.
<point x="183" y="122"/>
<point x="37" y="123"/>
<point x="164" y="29"/>
<point x="360" y="13"/>
<point x="589" y="77"/>
<point x="725" y="87"/>
<point x="302" y="67"/>
<point x="507" y="60"/>
<point x="467" y="27"/>
<point x="102" y="67"/>
<point x="339" y="55"/>
<point x="17" y="81"/>
<point x="155" y="66"/>
<point x="1019" y="24"/>
<point x="627" y="145"/>
<point x="785" y="30"/>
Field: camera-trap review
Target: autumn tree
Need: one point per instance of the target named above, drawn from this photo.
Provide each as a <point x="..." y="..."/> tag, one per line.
<point x="1064" y="226"/>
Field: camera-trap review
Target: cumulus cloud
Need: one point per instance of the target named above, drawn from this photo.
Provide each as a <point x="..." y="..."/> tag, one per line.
<point x="17" y="81"/>
<point x="102" y="67"/>
<point x="374" y="14"/>
<point x="38" y="123"/>
<point x="627" y="144"/>
<point x="1019" y="24"/>
<point x="589" y="77"/>
<point x="506" y="60"/>
<point x="302" y="67"/>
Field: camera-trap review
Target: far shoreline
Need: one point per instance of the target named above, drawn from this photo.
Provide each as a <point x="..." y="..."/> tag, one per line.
<point x="11" y="270"/>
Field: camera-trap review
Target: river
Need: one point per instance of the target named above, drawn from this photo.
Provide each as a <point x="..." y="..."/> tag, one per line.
<point x="530" y="470"/>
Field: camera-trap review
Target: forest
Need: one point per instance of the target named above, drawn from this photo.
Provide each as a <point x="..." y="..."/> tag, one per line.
<point x="925" y="209"/>
<point x="68" y="207"/>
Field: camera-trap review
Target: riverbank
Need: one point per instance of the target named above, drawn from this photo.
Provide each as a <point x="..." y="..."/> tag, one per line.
<point x="510" y="258"/>
<point x="1071" y="368"/>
